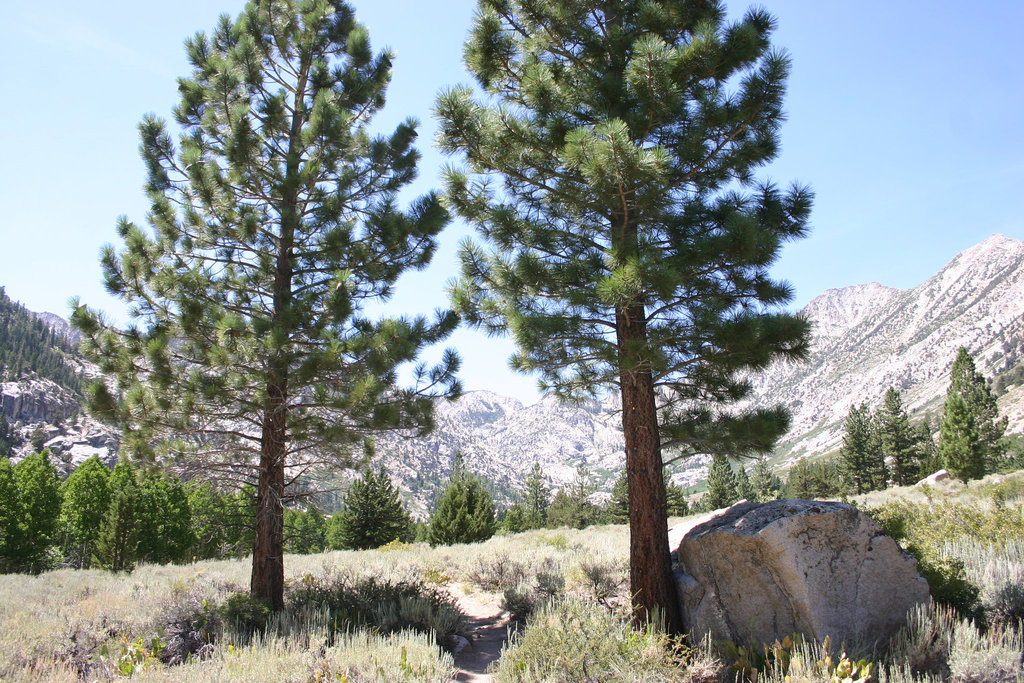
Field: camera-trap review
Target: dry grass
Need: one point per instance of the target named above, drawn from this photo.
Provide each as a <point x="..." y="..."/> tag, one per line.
<point x="81" y="625"/>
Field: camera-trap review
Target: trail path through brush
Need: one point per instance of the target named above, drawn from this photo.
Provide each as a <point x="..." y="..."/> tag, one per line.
<point x="487" y="625"/>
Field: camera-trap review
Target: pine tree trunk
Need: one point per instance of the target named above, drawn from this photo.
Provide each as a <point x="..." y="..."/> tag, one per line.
<point x="651" y="582"/>
<point x="268" y="549"/>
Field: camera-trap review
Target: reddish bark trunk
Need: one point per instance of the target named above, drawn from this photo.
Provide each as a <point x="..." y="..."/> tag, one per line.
<point x="652" y="584"/>
<point x="268" y="549"/>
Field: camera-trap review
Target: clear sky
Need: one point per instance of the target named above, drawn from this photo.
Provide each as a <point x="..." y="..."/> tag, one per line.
<point x="905" y="117"/>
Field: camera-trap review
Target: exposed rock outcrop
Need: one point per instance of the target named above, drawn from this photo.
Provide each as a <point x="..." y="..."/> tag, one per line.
<point x="36" y="400"/>
<point x="764" y="571"/>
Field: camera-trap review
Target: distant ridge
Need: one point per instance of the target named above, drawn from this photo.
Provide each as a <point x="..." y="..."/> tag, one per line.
<point x="870" y="337"/>
<point x="866" y="338"/>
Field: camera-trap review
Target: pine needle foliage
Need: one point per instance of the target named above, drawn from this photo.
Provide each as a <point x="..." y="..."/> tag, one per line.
<point x="860" y="458"/>
<point x="373" y="514"/>
<point x="464" y="512"/>
<point x="274" y="223"/>
<point x="624" y="239"/>
<point x="971" y="436"/>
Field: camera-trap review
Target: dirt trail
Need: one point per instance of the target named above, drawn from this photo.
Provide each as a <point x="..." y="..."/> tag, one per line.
<point x="488" y="631"/>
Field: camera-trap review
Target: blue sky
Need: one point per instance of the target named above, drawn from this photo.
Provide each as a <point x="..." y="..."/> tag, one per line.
<point x="905" y="117"/>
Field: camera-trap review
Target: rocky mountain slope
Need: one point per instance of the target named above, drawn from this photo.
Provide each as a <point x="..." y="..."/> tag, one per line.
<point x="870" y="337"/>
<point x="866" y="338"/>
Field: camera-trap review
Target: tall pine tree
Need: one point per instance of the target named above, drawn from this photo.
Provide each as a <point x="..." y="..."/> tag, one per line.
<point x="536" y="499"/>
<point x="464" y="512"/>
<point x="118" y="539"/>
<point x="723" y="489"/>
<point x="767" y="485"/>
<point x="960" y="444"/>
<point x="970" y="385"/>
<point x="860" y="459"/>
<point x="897" y="439"/>
<point x="627" y="241"/>
<point x="274" y="223"/>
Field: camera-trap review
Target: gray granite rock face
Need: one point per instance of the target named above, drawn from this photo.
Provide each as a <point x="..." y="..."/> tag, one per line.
<point x="763" y="571"/>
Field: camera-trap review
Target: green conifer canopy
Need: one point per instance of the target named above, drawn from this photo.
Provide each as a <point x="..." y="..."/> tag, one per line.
<point x="624" y="239"/>
<point x="274" y="221"/>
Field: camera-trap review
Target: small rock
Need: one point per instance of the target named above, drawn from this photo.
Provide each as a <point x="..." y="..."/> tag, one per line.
<point x="934" y="478"/>
<point x="458" y="643"/>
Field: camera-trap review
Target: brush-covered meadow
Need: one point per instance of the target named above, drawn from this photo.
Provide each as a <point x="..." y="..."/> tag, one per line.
<point x="390" y="614"/>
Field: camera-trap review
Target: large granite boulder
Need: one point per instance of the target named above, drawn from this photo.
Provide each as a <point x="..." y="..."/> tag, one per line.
<point x="764" y="571"/>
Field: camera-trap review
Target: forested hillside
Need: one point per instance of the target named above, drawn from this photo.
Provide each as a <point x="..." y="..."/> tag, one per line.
<point x="29" y="347"/>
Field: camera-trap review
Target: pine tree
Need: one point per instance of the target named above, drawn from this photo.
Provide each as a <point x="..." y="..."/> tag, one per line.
<point x="675" y="500"/>
<point x="39" y="493"/>
<point x="767" y="485"/>
<point x="10" y="518"/>
<point x="928" y="458"/>
<point x="744" y="488"/>
<point x="627" y="244"/>
<point x="722" y="484"/>
<point x="85" y="498"/>
<point x="274" y="224"/>
<point x="970" y="385"/>
<point x="372" y="515"/>
<point x="617" y="509"/>
<point x="571" y="506"/>
<point x="960" y="444"/>
<point x="514" y="519"/>
<point x="814" y="480"/>
<point x="118" y="538"/>
<point x="861" y="459"/>
<point x="464" y="512"/>
<point x="536" y="499"/>
<point x="897" y="439"/>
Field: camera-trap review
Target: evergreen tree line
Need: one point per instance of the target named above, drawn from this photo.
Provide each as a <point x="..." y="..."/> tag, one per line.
<point x="28" y="346"/>
<point x="883" y="448"/>
<point x="728" y="485"/>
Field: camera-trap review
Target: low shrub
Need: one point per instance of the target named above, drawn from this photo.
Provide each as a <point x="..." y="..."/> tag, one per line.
<point x="603" y="580"/>
<point x="948" y="583"/>
<point x="547" y="584"/>
<point x="245" y="614"/>
<point x="497" y="573"/>
<point x="993" y="657"/>
<point x="386" y="606"/>
<point x="571" y="640"/>
<point x="189" y="625"/>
